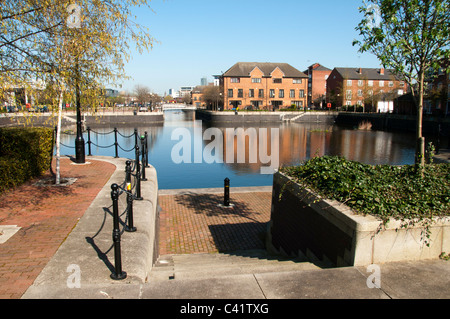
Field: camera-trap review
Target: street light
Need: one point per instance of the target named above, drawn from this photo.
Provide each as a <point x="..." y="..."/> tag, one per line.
<point x="74" y="21"/>
<point x="79" y="140"/>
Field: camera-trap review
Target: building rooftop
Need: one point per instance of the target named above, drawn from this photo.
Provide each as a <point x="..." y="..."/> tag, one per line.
<point x="243" y="69"/>
<point x="367" y="74"/>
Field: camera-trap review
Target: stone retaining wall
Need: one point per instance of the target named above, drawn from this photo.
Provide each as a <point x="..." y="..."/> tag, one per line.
<point x="304" y="224"/>
<point x="265" y="117"/>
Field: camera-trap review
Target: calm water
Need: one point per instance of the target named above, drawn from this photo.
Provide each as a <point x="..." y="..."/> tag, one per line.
<point x="296" y="143"/>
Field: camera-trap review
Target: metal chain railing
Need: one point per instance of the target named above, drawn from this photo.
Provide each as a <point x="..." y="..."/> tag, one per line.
<point x="115" y="144"/>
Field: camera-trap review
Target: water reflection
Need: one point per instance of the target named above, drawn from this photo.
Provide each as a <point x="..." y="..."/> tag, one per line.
<point x="296" y="143"/>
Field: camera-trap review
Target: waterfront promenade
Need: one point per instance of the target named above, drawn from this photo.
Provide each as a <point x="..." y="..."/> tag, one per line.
<point x="34" y="261"/>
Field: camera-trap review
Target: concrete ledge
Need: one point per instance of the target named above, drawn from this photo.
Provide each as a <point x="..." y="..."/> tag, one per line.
<point x="265" y="117"/>
<point x="90" y="246"/>
<point x="302" y="223"/>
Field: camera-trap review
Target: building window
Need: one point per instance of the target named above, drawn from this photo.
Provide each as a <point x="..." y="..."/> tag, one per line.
<point x="359" y="103"/>
<point x="261" y="93"/>
<point x="301" y="93"/>
<point x="360" y="82"/>
<point x="277" y="81"/>
<point x="230" y="92"/>
<point x="360" y="93"/>
<point x="297" y="103"/>
<point x="251" y="93"/>
<point x="256" y="80"/>
<point x="292" y="93"/>
<point x="235" y="80"/>
<point x="370" y="92"/>
<point x="281" y="93"/>
<point x="370" y="83"/>
<point x="391" y="84"/>
<point x="402" y="83"/>
<point x="297" y="81"/>
<point x="348" y="94"/>
<point x="381" y="83"/>
<point x="349" y="82"/>
<point x="400" y="92"/>
<point x="272" y="93"/>
<point x="349" y="103"/>
<point x="240" y="93"/>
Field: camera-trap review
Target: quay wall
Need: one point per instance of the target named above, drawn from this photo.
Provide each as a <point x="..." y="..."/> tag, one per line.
<point x="50" y="120"/>
<point x="265" y="117"/>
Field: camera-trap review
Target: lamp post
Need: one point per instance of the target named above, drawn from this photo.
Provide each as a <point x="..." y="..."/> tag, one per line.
<point x="79" y="140"/>
<point x="74" y="22"/>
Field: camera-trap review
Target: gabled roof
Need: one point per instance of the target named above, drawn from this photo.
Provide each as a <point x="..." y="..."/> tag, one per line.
<point x="366" y="74"/>
<point x="317" y="67"/>
<point x="243" y="69"/>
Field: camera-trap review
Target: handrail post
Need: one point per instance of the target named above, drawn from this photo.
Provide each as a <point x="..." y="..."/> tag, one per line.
<point x="143" y="178"/>
<point x="146" y="149"/>
<point x="130" y="227"/>
<point x="116" y="143"/>
<point x="138" y="175"/>
<point x="118" y="274"/>
<point x="89" y="141"/>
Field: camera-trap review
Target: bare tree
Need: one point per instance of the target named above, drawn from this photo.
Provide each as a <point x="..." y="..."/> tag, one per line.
<point x="142" y="94"/>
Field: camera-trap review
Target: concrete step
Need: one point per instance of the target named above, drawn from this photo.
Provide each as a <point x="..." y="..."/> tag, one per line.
<point x="205" y="266"/>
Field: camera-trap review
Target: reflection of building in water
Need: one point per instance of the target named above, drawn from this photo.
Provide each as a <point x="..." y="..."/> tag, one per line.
<point x="367" y="147"/>
<point x="244" y="149"/>
<point x="247" y="150"/>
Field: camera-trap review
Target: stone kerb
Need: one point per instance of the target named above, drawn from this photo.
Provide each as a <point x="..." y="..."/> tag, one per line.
<point x="303" y="223"/>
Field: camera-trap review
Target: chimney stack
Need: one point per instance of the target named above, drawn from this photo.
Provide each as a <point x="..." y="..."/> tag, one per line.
<point x="360" y="71"/>
<point x="382" y="71"/>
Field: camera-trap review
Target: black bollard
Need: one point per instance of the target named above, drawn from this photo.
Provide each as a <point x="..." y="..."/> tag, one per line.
<point x="118" y="274"/>
<point x="130" y="227"/>
<point x="226" y="199"/>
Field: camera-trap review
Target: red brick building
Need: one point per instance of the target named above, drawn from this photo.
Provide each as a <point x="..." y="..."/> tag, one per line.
<point x="317" y="85"/>
<point x="371" y="89"/>
<point x="267" y="86"/>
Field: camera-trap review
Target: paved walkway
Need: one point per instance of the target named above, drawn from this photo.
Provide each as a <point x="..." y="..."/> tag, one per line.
<point x="198" y="223"/>
<point x="46" y="215"/>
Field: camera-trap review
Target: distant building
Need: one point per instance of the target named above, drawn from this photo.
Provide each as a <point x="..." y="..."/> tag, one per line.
<point x="371" y="89"/>
<point x="111" y="93"/>
<point x="268" y="86"/>
<point x="317" y="84"/>
<point x="197" y="96"/>
<point x="437" y="93"/>
<point x="203" y="81"/>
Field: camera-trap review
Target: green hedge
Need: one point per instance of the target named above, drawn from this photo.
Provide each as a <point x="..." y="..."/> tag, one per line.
<point x="25" y="153"/>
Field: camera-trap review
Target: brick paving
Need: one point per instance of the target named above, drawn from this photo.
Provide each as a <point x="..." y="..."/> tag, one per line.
<point x="194" y="223"/>
<point x="46" y="215"/>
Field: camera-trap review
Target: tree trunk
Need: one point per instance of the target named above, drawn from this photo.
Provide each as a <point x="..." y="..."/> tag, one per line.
<point x="420" y="140"/>
<point x="58" y="139"/>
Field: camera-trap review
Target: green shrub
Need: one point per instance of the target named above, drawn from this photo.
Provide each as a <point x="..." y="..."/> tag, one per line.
<point x="24" y="153"/>
<point x="382" y="190"/>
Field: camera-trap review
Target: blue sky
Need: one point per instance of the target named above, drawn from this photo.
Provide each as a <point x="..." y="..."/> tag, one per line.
<point x="200" y="38"/>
